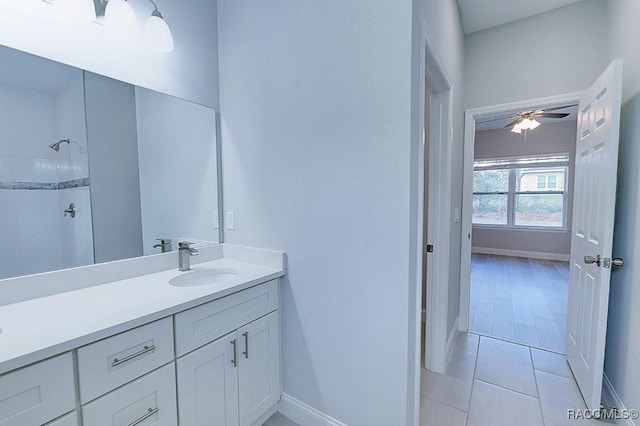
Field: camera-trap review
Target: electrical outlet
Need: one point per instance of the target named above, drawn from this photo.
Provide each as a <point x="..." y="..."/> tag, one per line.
<point x="231" y="221"/>
<point x="216" y="220"/>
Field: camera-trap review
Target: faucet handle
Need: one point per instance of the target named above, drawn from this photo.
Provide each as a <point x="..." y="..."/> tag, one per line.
<point x="164" y="240"/>
<point x="184" y="244"/>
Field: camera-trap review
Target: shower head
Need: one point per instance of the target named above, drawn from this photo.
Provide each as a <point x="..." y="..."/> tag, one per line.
<point x="56" y="146"/>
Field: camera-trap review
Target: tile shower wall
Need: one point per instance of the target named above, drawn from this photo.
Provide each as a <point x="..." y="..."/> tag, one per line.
<point x="32" y="225"/>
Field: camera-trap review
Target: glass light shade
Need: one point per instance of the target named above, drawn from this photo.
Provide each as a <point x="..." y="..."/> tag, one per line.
<point x="534" y="123"/>
<point x="120" y="17"/>
<point x="157" y="33"/>
<point x="525" y="124"/>
<point x="517" y="128"/>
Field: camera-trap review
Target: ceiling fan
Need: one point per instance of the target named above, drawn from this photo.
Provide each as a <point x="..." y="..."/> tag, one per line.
<point x="526" y="120"/>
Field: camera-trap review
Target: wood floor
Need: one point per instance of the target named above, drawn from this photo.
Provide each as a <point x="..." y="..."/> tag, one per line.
<point x="520" y="300"/>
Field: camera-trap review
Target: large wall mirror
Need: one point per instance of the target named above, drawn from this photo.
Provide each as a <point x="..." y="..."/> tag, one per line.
<point x="94" y="170"/>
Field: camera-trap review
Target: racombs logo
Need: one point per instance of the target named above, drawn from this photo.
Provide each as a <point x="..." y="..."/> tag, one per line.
<point x="602" y="414"/>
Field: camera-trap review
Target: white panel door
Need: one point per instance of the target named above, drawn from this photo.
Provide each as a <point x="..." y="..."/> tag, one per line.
<point x="259" y="367"/>
<point x="592" y="231"/>
<point x="208" y="384"/>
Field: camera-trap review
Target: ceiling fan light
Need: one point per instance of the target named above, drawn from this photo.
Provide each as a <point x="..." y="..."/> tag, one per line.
<point x="157" y="33"/>
<point x="534" y="123"/>
<point x="517" y="128"/>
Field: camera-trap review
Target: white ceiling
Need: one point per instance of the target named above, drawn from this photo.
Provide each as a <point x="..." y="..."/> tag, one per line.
<point x="479" y="15"/>
<point x="500" y="120"/>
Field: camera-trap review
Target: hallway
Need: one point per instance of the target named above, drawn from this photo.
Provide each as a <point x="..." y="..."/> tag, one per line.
<point x="520" y="300"/>
<point x="490" y="382"/>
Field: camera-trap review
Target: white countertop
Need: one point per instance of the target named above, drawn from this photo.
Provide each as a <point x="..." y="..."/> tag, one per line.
<point x="39" y="328"/>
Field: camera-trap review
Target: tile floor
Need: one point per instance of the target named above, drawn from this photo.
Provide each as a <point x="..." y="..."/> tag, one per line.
<point x="279" y="420"/>
<point x="520" y="300"/>
<point x="491" y="382"/>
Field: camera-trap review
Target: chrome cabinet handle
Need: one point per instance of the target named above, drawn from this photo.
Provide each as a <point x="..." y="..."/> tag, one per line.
<point x="234" y="360"/>
<point x="142" y="351"/>
<point x="149" y="413"/>
<point x="591" y="259"/>
<point x="246" y="344"/>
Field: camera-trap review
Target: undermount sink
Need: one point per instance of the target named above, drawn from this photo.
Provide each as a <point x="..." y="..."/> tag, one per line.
<point x="204" y="277"/>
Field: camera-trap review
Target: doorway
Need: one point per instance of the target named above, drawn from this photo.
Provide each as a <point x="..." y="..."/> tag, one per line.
<point x="522" y="208"/>
<point x="471" y="118"/>
<point x="431" y="338"/>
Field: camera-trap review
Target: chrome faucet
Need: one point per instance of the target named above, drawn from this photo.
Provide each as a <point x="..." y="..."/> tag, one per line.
<point x="184" y="255"/>
<point x="164" y="245"/>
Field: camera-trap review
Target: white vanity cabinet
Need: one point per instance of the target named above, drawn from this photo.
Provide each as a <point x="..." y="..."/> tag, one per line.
<point x="39" y="393"/>
<point x="217" y="363"/>
<point x="235" y="379"/>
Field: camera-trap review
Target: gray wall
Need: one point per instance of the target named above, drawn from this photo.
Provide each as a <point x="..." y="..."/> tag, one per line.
<point x="315" y="103"/>
<point x="623" y="346"/>
<point x="546" y="139"/>
<point x="113" y="168"/>
<point x="558" y="52"/>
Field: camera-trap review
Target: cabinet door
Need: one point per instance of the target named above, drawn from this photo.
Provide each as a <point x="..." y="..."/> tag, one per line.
<point x="208" y="384"/>
<point x="259" y="367"/>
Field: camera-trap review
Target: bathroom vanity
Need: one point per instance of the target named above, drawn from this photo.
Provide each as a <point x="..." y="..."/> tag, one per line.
<point x="108" y="346"/>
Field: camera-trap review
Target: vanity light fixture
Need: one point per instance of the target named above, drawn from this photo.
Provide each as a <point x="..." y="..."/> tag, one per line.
<point x="119" y="15"/>
<point x="157" y="32"/>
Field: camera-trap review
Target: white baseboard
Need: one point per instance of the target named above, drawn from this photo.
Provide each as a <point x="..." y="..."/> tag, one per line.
<point x="304" y="414"/>
<point x="451" y="340"/>
<point x="521" y="253"/>
<point x="611" y="398"/>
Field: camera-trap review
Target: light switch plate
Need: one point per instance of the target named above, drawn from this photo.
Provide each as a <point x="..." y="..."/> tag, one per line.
<point x="231" y="221"/>
<point x="457" y="215"/>
<point x="216" y="220"/>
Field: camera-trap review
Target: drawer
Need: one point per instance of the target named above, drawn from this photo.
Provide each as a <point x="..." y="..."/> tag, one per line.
<point x="37" y="394"/>
<point x="112" y="362"/>
<point x="148" y="400"/>
<point x="205" y="323"/>
<point x="68" y="420"/>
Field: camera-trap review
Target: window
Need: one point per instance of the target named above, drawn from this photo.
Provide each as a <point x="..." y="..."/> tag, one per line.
<point x="521" y="192"/>
<point x="547" y="181"/>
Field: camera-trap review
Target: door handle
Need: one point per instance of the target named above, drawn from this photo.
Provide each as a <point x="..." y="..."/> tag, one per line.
<point x="246" y="344"/>
<point x="234" y="360"/>
<point x="590" y="259"/>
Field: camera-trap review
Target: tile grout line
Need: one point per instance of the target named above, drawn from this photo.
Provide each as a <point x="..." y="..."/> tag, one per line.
<point x="507" y="389"/>
<point x="535" y="378"/>
<point x="473" y="379"/>
<point x="517" y="343"/>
